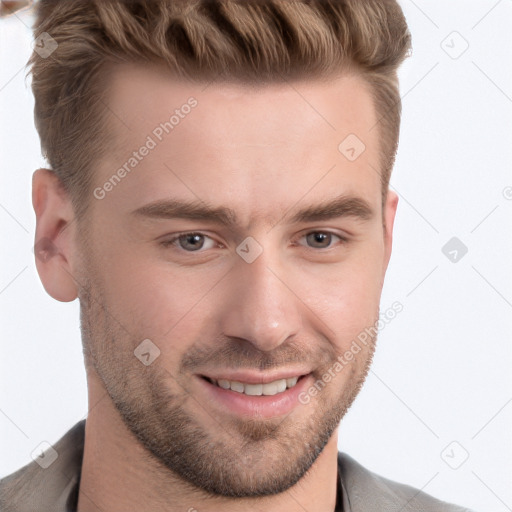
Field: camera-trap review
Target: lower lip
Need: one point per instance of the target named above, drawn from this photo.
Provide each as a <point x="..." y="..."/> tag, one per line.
<point x="260" y="406"/>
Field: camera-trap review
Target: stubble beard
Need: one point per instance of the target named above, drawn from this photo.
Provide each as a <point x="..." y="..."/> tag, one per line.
<point x="234" y="457"/>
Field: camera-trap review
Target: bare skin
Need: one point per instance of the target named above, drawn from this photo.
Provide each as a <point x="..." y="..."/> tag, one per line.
<point x="155" y="441"/>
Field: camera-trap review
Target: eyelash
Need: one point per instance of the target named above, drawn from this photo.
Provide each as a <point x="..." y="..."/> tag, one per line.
<point x="172" y="241"/>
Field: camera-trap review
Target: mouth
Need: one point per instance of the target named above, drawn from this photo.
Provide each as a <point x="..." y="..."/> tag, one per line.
<point x="263" y="400"/>
<point x="271" y="388"/>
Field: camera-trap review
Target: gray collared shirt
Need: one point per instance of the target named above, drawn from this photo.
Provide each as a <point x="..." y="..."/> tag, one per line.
<point x="55" y="488"/>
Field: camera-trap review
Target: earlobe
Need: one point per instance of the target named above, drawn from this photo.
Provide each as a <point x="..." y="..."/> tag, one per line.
<point x="54" y="238"/>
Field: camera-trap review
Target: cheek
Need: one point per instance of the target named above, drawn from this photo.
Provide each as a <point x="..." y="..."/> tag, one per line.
<point x="346" y="287"/>
<point x="346" y="297"/>
<point x="160" y="301"/>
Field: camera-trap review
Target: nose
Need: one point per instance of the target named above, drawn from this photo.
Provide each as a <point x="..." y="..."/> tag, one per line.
<point x="262" y="307"/>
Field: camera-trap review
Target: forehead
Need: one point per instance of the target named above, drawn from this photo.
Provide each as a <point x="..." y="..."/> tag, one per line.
<point x="148" y="93"/>
<point x="244" y="144"/>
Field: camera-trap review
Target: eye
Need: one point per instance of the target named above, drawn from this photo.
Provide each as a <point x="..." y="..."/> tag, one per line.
<point x="195" y="242"/>
<point x="321" y="239"/>
<point x="191" y="242"/>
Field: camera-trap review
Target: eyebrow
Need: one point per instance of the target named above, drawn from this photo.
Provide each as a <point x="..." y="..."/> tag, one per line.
<point x="341" y="206"/>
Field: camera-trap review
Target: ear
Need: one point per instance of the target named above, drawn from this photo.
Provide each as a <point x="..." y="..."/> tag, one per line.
<point x="55" y="229"/>
<point x="389" y="220"/>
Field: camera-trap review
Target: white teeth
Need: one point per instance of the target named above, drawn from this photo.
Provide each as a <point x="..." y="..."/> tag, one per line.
<point x="224" y="384"/>
<point x="253" y="389"/>
<point x="237" y="386"/>
<point x="268" y="389"/>
<point x="291" y="382"/>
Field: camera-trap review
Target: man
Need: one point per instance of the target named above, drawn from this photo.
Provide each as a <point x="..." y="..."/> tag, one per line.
<point x="218" y="201"/>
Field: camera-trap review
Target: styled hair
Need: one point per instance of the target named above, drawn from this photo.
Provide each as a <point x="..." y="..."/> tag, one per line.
<point x="247" y="41"/>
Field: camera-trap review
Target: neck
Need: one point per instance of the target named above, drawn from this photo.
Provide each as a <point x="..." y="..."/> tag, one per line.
<point x="119" y="475"/>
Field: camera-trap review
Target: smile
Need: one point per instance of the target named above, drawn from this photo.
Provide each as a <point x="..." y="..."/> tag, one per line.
<point x="267" y="389"/>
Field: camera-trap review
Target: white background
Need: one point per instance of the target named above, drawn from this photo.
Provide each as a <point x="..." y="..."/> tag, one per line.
<point x="442" y="371"/>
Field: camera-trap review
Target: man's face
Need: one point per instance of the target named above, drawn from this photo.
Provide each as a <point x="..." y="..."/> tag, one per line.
<point x="294" y="296"/>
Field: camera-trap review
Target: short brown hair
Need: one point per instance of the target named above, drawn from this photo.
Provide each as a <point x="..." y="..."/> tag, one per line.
<point x="254" y="41"/>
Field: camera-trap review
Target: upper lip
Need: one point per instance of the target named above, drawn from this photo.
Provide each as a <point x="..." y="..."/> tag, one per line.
<point x="254" y="377"/>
